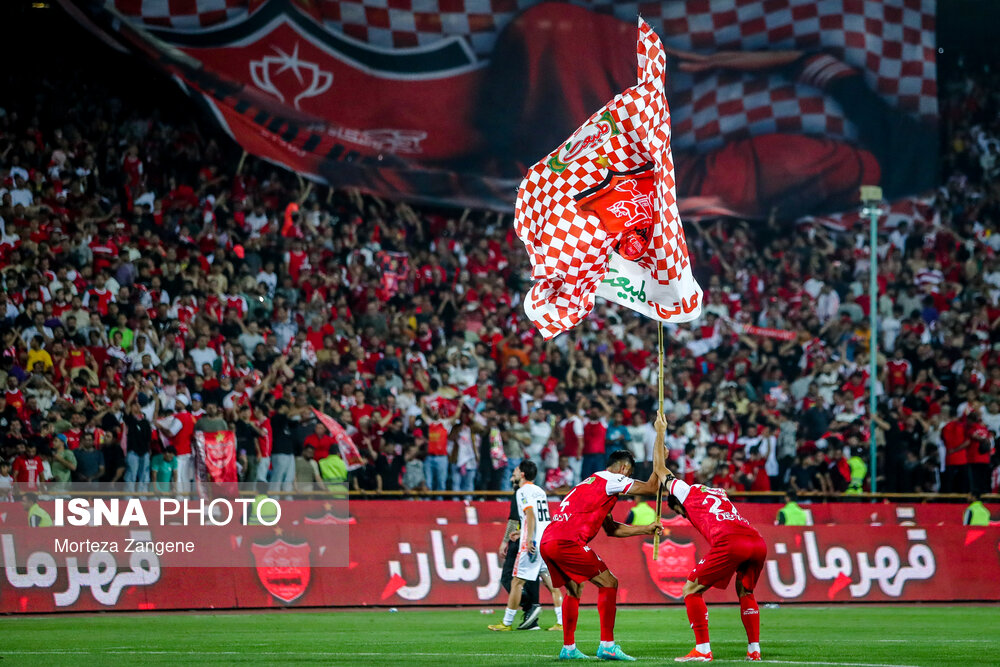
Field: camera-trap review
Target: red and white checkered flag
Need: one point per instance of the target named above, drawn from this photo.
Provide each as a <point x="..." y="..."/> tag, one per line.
<point x="598" y="215"/>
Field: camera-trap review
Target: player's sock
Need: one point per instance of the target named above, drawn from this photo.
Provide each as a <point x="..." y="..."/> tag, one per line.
<point x="569" y="647"/>
<point x="703" y="648"/>
<point x="698" y="617"/>
<point x="605" y="644"/>
<point x="751" y="618"/>
<point x="607" y="603"/>
<point x="559" y="615"/>
<point x="508" y="616"/>
<point x="571" y="612"/>
<point x="753" y="647"/>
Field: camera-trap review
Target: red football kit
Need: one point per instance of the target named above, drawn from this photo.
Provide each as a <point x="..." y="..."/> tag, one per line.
<point x="736" y="547"/>
<point x="581" y="514"/>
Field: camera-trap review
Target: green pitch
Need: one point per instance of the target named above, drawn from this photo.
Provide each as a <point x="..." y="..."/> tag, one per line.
<point x="857" y="636"/>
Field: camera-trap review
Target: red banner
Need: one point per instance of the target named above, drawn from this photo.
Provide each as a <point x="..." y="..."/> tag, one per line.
<point x="348" y="449"/>
<point x="459" y="100"/>
<point x="780" y="334"/>
<point x="426" y="553"/>
<point x="218" y="452"/>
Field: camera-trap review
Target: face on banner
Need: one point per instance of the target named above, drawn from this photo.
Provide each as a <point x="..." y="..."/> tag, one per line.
<point x="775" y="105"/>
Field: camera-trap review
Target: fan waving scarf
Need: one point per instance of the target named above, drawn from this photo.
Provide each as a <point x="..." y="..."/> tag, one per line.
<point x="598" y="215"/>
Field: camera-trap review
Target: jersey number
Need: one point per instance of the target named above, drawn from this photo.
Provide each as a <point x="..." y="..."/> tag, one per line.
<point x="716" y="502"/>
<point x="565" y="501"/>
<point x="719" y="513"/>
<point x="543" y="511"/>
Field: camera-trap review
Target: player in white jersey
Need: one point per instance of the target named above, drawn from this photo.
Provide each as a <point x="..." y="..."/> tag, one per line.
<point x="533" y="510"/>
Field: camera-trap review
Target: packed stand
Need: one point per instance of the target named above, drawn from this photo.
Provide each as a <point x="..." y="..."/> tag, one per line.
<point x="156" y="285"/>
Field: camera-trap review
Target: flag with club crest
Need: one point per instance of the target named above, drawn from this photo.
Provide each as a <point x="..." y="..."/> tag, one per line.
<point x="598" y="216"/>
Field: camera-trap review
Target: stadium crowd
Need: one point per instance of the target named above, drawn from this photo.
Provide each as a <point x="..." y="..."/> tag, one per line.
<point x="156" y="285"/>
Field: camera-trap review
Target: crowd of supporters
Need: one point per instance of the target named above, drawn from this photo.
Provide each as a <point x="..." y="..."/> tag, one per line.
<point x="156" y="285"/>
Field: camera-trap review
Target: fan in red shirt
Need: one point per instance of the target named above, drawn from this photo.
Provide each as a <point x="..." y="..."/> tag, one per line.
<point x="855" y="385"/>
<point x="979" y="452"/>
<point x="736" y="547"/>
<point x="98" y="297"/>
<point x="899" y="371"/>
<point x="956" y="461"/>
<point x="179" y="427"/>
<point x="27" y="469"/>
<point x="15" y="398"/>
<point x="321" y="441"/>
<point x="571" y="562"/>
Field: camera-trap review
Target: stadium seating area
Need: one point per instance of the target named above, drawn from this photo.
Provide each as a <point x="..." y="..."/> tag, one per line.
<point x="149" y="273"/>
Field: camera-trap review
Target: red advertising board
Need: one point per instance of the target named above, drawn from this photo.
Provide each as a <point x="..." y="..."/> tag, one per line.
<point x="406" y="553"/>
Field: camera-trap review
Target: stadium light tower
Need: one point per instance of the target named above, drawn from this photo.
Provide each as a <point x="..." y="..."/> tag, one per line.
<point x="871" y="198"/>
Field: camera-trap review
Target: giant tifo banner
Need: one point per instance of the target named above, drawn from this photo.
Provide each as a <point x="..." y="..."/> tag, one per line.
<point x="782" y="106"/>
<point x="444" y="553"/>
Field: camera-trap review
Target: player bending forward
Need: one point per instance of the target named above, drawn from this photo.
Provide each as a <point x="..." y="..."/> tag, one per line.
<point x="571" y="562"/>
<point x="533" y="510"/>
<point x="736" y="547"/>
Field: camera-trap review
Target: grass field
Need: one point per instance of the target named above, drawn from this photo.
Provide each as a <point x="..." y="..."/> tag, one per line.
<point x="858" y="636"/>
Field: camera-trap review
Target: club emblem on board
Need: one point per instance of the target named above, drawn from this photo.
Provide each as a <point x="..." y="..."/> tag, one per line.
<point x="671" y="569"/>
<point x="283" y="568"/>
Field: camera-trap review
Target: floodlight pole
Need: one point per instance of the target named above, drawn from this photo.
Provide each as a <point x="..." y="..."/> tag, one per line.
<point x="871" y="196"/>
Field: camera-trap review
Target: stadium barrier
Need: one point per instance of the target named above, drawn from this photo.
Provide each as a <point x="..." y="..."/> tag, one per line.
<point x="444" y="553"/>
<point x="744" y="496"/>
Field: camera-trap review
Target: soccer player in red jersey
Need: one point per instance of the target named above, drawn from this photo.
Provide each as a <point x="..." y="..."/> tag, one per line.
<point x="571" y="562"/>
<point x="736" y="547"/>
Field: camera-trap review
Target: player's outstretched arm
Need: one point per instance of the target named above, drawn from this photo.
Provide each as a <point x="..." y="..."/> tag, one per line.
<point x="660" y="473"/>
<point x="614" y="529"/>
<point x="647" y="488"/>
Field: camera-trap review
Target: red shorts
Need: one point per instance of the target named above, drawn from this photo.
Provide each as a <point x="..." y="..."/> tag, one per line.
<point x="569" y="561"/>
<point x="742" y="554"/>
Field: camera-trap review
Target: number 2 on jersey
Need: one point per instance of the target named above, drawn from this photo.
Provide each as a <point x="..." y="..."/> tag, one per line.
<point x="716" y="502"/>
<point x="722" y="514"/>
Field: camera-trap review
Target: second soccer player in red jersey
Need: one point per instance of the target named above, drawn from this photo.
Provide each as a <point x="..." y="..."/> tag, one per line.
<point x="571" y="562"/>
<point x="736" y="548"/>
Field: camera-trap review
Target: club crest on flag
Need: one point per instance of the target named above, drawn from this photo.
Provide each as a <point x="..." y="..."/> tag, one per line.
<point x="671" y="569"/>
<point x="624" y="203"/>
<point x="220" y="449"/>
<point x="283" y="568"/>
<point x="217" y="453"/>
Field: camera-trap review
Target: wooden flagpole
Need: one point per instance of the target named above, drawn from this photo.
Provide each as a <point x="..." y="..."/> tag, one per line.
<point x="658" y="451"/>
